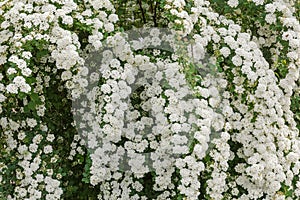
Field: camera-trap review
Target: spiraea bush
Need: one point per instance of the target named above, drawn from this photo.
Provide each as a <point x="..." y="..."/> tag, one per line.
<point x="107" y="99"/>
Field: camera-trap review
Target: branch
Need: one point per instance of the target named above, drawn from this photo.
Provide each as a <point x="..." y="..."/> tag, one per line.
<point x="155" y="14"/>
<point x="143" y="14"/>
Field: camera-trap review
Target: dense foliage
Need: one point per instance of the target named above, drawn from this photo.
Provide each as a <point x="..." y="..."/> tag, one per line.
<point x="74" y="123"/>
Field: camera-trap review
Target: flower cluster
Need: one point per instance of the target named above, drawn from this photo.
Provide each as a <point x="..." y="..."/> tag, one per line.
<point x="146" y="106"/>
<point x="38" y="42"/>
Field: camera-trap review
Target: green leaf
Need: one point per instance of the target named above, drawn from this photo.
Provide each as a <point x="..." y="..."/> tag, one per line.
<point x="30" y="80"/>
<point x="35" y="98"/>
<point x="21" y="95"/>
<point x="41" y="53"/>
<point x="85" y="180"/>
<point x="31" y="105"/>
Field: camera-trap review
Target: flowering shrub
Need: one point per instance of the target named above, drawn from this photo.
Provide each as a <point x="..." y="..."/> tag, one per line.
<point x="170" y="99"/>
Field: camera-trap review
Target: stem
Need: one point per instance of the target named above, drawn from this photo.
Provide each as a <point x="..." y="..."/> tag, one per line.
<point x="143" y="14"/>
<point x="155" y="14"/>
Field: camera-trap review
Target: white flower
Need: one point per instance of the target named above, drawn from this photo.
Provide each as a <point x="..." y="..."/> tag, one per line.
<point x="113" y="18"/>
<point x="33" y="148"/>
<point x="25" y="88"/>
<point x="225" y="51"/>
<point x="19" y="80"/>
<point x="154" y="32"/>
<point x="115" y="74"/>
<point x="66" y="75"/>
<point x="293" y="55"/>
<point x="68" y="20"/>
<point x="22" y="192"/>
<point x="50" y="137"/>
<point x="21" y="135"/>
<point x="12" y="88"/>
<point x="235" y="27"/>
<point x="26" y="54"/>
<point x="109" y="27"/>
<point x="233" y="3"/>
<point x="21" y="64"/>
<point x="48" y="149"/>
<point x="22" y="149"/>
<point x="155" y="41"/>
<point x="31" y="122"/>
<point x="231" y="42"/>
<point x="237" y="60"/>
<point x="26" y="71"/>
<point x="83" y="82"/>
<point x="270" y="8"/>
<point x="105" y="88"/>
<point x="37" y="139"/>
<point x="176" y="128"/>
<point x="270" y="18"/>
<point x="204" y="92"/>
<point x="258" y="2"/>
<point x="11" y="71"/>
<point x="115" y="63"/>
